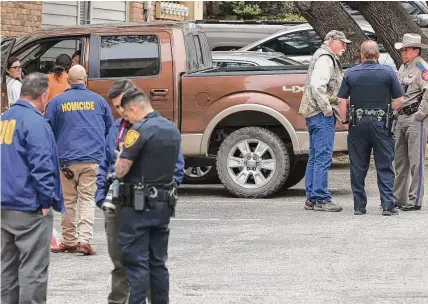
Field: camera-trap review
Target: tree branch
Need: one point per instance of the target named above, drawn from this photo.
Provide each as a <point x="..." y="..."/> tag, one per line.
<point x="390" y="22"/>
<point x="325" y="16"/>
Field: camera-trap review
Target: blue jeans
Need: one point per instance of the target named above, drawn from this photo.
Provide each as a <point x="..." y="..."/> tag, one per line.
<point x="321" y="140"/>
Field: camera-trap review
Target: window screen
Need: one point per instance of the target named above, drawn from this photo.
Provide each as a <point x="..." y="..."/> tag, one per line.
<point x="129" y="56"/>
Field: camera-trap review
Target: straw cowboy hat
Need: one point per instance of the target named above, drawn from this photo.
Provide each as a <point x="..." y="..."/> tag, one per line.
<point x="411" y="40"/>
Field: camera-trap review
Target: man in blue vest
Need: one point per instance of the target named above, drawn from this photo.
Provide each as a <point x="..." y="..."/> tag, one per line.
<point x="30" y="179"/>
<point x="80" y="120"/>
<point x="119" y="282"/>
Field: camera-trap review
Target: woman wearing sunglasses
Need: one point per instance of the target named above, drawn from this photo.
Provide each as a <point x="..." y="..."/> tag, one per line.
<point x="13" y="79"/>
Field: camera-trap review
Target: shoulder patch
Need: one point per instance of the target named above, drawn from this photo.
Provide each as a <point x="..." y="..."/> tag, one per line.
<point x="131" y="138"/>
<point x="421" y="66"/>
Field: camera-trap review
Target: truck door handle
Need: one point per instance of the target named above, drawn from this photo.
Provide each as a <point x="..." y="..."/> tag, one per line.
<point x="159" y="94"/>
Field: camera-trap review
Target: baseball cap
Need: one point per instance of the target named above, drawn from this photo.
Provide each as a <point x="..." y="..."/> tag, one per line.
<point x="336" y="35"/>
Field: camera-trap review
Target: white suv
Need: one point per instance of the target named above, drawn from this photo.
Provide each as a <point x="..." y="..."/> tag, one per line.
<point x="300" y="42"/>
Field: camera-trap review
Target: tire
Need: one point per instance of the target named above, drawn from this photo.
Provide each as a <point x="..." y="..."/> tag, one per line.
<point x="256" y="182"/>
<point x="201" y="175"/>
<point x="297" y="173"/>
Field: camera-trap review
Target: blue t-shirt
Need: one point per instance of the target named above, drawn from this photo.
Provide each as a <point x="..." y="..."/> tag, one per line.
<point x="370" y="84"/>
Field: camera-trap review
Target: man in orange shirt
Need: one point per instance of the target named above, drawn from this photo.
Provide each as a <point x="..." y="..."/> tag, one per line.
<point x="58" y="80"/>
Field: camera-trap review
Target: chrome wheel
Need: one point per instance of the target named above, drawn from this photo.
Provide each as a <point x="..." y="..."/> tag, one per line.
<point x="251" y="163"/>
<point x="197" y="172"/>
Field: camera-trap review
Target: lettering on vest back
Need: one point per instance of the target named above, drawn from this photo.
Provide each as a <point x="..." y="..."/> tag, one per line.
<point x="78" y="106"/>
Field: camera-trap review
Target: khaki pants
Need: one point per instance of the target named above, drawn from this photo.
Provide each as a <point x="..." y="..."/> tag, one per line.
<point x="410" y="145"/>
<point x="79" y="198"/>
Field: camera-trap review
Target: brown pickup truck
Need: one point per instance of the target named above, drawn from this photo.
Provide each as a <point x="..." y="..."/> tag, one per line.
<point x="245" y="121"/>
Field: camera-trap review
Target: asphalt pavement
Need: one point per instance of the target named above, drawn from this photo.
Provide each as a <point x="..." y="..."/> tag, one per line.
<point x="228" y="250"/>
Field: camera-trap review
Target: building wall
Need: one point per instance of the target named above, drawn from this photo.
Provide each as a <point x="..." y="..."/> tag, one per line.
<point x="20" y="18"/>
<point x="136" y="13"/>
<point x="60" y="12"/>
<point x="109" y="11"/>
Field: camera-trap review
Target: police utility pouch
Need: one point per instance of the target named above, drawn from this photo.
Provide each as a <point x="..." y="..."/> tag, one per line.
<point x="139" y="197"/>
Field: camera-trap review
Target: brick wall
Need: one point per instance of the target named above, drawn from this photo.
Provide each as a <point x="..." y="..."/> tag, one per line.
<point x="20" y="18"/>
<point x="137" y="11"/>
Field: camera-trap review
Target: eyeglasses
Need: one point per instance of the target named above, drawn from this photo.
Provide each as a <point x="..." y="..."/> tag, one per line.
<point x="19" y="67"/>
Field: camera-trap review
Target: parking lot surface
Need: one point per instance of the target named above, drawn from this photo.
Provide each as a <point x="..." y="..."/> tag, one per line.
<point x="228" y="250"/>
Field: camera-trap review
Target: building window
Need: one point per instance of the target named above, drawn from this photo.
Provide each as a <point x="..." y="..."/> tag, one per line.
<point x="85" y="12"/>
<point x="129" y="56"/>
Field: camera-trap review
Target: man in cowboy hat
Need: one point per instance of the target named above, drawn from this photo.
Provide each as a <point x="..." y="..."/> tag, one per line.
<point x="412" y="125"/>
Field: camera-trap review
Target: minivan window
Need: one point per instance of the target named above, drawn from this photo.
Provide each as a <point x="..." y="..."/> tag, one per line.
<point x="129" y="56"/>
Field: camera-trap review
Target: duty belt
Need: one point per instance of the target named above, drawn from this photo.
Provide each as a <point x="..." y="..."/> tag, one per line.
<point x="410" y="109"/>
<point x="147" y="195"/>
<point x="379" y="114"/>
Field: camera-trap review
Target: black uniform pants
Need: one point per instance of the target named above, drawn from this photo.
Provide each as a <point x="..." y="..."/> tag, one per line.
<point x="370" y="134"/>
<point x="143" y="239"/>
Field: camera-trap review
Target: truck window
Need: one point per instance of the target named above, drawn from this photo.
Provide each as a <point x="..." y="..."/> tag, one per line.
<point x="198" y="46"/>
<point x="129" y="56"/>
<point x="197" y="51"/>
<point x="40" y="57"/>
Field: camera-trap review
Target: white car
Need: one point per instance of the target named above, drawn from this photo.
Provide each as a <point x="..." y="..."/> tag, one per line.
<point x="248" y="59"/>
<point x="300" y="42"/>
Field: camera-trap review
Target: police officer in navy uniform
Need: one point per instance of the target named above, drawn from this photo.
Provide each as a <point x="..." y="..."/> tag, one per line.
<point x="374" y="92"/>
<point x="146" y="165"/>
<point x="119" y="282"/>
<point x="31" y="187"/>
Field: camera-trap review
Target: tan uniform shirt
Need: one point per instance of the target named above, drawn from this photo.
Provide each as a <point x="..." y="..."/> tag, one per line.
<point x="412" y="80"/>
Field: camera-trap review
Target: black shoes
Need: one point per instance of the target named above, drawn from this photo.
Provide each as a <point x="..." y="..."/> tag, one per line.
<point x="409" y="208"/>
<point x="394" y="211"/>
<point x="360" y="212"/>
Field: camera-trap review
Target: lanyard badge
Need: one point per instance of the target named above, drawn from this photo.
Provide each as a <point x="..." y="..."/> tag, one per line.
<point x="124" y="126"/>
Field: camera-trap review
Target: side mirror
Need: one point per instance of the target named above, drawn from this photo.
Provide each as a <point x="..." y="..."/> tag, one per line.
<point x="422" y="20"/>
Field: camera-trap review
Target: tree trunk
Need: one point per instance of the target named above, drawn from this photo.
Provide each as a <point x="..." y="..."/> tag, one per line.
<point x="325" y="16"/>
<point x="390" y="22"/>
